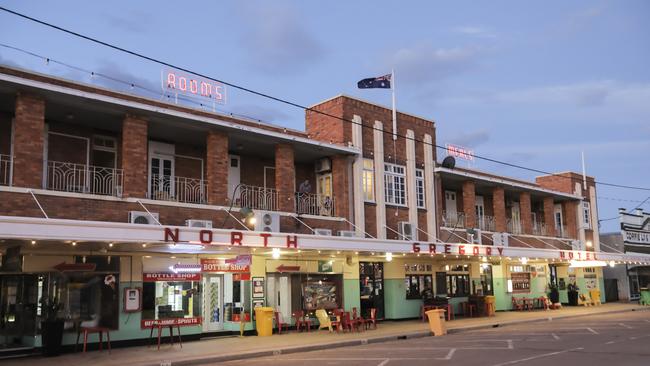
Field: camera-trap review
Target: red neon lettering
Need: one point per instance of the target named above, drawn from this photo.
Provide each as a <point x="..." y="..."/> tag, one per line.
<point x="292" y="242"/>
<point x="171" y="80"/>
<point x="217" y="90"/>
<point x="562" y="255"/>
<point x="570" y="255"/>
<point x="488" y="251"/>
<point x="588" y="256"/>
<point x="475" y="251"/>
<point x="432" y="248"/>
<point x="206" y="89"/>
<point x="236" y="238"/>
<point x="266" y="238"/>
<point x="416" y="248"/>
<point x="194" y="88"/>
<point x="169" y="234"/>
<point x="461" y="249"/>
<point x="447" y="248"/>
<point x="182" y="83"/>
<point x="500" y="251"/>
<point x="202" y="237"/>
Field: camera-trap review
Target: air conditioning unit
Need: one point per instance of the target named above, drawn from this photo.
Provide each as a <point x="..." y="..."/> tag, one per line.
<point x="141" y="217"/>
<point x="323" y="232"/>
<point x="578" y="245"/>
<point x="267" y="221"/>
<point x="500" y="239"/>
<point x="199" y="223"/>
<point x="474" y="236"/>
<point x="347" y="233"/>
<point x="406" y="231"/>
<point x="323" y="165"/>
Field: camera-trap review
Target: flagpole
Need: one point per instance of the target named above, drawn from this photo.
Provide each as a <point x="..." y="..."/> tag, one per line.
<point x="392" y="86"/>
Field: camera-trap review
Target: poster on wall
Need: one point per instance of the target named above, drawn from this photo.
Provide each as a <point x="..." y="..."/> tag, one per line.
<point x="258" y="287"/>
<point x="319" y="295"/>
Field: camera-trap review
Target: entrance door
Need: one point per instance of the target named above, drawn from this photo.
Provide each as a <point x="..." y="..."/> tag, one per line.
<point x="18" y="309"/>
<point x="516" y="218"/>
<point x="480" y="211"/>
<point x="212" y="303"/>
<point x="279" y="294"/>
<point x="450" y="207"/>
<point x="557" y="214"/>
<point x="161" y="170"/>
<point x="371" y="282"/>
<point x="234" y="175"/>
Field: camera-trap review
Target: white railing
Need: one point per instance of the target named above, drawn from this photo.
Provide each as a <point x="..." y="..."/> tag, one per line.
<point x="258" y="198"/>
<point x="314" y="204"/>
<point x="486" y="223"/>
<point x="453" y="219"/>
<point x="561" y="231"/>
<point x="178" y="189"/>
<point x="539" y="228"/>
<point x="513" y="227"/>
<point x="5" y="169"/>
<point x="81" y="178"/>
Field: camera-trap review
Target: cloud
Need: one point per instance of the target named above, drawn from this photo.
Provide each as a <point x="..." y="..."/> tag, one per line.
<point x="471" y="139"/>
<point x="474" y="31"/>
<point x="277" y="40"/>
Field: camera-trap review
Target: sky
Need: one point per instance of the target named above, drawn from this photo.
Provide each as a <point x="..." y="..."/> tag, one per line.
<point x="533" y="84"/>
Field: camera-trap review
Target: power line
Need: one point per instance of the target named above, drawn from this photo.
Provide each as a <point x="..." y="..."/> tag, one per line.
<point x="284" y="101"/>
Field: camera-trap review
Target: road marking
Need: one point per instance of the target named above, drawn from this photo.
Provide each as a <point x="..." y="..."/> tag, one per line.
<point x="611" y="342"/>
<point x="384" y="362"/>
<point x="555" y="336"/>
<point x="538" y="356"/>
<point x="625" y="325"/>
<point x="510" y="345"/>
<point x="450" y="354"/>
<point x="593" y="331"/>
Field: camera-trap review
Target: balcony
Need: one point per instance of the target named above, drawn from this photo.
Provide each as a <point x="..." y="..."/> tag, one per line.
<point x="178" y="189"/>
<point x="80" y="178"/>
<point x="561" y="231"/>
<point x="453" y="219"/>
<point x="513" y="227"/>
<point x="257" y="198"/>
<point x="314" y="204"/>
<point x="539" y="228"/>
<point x="486" y="223"/>
<point x="5" y="169"/>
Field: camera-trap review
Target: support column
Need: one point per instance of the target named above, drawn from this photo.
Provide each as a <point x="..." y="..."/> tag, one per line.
<point x="549" y="216"/>
<point x="594" y="218"/>
<point x="430" y="191"/>
<point x="29" y="129"/>
<point x="217" y="168"/>
<point x="380" y="199"/>
<point x="411" y="198"/>
<point x="499" y="208"/>
<point x="357" y="177"/>
<point x="340" y="186"/>
<point x="526" y="219"/>
<point x="285" y="177"/>
<point x="134" y="156"/>
<point x="469" y="204"/>
<point x="570" y="213"/>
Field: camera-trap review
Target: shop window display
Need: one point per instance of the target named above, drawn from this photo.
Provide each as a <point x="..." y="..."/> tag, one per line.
<point x="174" y="298"/>
<point x="418" y="286"/>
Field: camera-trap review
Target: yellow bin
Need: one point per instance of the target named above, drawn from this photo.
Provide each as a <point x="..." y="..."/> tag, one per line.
<point x="437" y="322"/>
<point x="264" y="321"/>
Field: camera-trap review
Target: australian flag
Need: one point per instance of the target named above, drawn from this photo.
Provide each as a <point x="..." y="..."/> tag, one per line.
<point x="378" y="82"/>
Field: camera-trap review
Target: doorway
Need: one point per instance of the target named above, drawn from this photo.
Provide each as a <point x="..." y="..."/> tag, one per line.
<point x="212" y="303"/>
<point x="479" y="205"/>
<point x="161" y="170"/>
<point x="371" y="282"/>
<point x="278" y="288"/>
<point x="516" y="218"/>
<point x="234" y="175"/>
<point x="19" y="296"/>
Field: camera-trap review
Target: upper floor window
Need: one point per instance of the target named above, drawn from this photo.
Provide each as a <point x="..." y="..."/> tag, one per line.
<point x="369" y="180"/>
<point x="586" y="215"/>
<point x="395" y="184"/>
<point x="419" y="187"/>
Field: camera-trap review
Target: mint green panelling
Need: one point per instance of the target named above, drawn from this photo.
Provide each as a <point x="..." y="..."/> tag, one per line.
<point x="396" y="305"/>
<point x="564" y="296"/>
<point x="351" y="294"/>
<point x="601" y="285"/>
<point x="500" y="293"/>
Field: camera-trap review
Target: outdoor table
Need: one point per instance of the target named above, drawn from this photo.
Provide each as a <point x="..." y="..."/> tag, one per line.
<point x="100" y="330"/>
<point x="159" y="326"/>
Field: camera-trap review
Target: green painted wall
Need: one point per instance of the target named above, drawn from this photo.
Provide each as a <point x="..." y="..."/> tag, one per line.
<point x="396" y="305"/>
<point x="351" y="294"/>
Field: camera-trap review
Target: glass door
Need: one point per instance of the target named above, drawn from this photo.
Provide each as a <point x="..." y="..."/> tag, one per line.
<point x="371" y="282"/>
<point x="18" y="310"/>
<point x="212" y="303"/>
<point x="162" y="177"/>
<point x="480" y="212"/>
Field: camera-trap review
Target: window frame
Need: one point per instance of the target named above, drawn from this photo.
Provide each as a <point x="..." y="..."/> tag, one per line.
<point x="394" y="177"/>
<point x="458" y="277"/>
<point x="368" y="180"/>
<point x="420" y="195"/>
<point x="419" y="280"/>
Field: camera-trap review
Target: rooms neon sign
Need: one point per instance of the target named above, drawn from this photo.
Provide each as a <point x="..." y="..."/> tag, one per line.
<point x="178" y="82"/>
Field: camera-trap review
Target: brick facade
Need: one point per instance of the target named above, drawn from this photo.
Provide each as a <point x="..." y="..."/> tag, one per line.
<point x="469" y="199"/>
<point x="549" y="215"/>
<point x="341" y="188"/>
<point x="134" y="156"/>
<point x="525" y="208"/>
<point x="217" y="163"/>
<point x="285" y="177"/>
<point x="499" y="209"/>
<point x="29" y="129"/>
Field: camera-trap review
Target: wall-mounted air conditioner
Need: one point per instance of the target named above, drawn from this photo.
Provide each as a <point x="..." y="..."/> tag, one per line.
<point x="406" y="231"/>
<point x="142" y="217"/>
<point x="323" y="232"/>
<point x="500" y="239"/>
<point x="347" y="233"/>
<point x="474" y="236"/>
<point x="267" y="221"/>
<point x="199" y="223"/>
<point x="578" y="245"/>
<point x="323" y="165"/>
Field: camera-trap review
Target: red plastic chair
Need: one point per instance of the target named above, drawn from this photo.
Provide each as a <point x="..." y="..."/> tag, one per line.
<point x="346" y="321"/>
<point x="372" y="319"/>
<point x="299" y="317"/>
<point x="358" y="320"/>
<point x="280" y="323"/>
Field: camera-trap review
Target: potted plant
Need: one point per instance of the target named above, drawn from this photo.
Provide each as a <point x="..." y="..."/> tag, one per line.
<point x="554" y="293"/>
<point x="51" y="326"/>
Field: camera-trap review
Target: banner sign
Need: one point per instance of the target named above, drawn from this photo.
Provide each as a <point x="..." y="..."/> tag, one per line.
<point x="171" y="277"/>
<point x="178" y="82"/>
<point x="183" y="322"/>
<point x="460" y="152"/>
<point x="242" y="260"/>
<point x="220" y="265"/>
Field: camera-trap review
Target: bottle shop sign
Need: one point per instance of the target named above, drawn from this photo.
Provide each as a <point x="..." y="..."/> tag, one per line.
<point x="182" y="83"/>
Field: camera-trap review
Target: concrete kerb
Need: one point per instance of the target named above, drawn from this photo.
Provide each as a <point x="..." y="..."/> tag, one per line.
<point x="364" y="341"/>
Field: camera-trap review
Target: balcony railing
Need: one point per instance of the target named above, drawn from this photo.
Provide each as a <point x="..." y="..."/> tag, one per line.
<point x="513" y="227"/>
<point x="314" y="204"/>
<point x="259" y="198"/>
<point x="561" y="231"/>
<point x="539" y="228"/>
<point x="5" y="169"/>
<point x="453" y="219"/>
<point x="486" y="223"/>
<point x="70" y="177"/>
<point x="178" y="189"/>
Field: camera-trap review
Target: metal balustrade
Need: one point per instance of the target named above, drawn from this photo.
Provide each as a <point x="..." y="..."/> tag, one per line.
<point x="178" y="189"/>
<point x="314" y="204"/>
<point x="257" y="198"/>
<point x="453" y="219"/>
<point x="5" y="169"/>
<point x="486" y="223"/>
<point x="539" y="228"/>
<point x="81" y="178"/>
<point x="513" y="227"/>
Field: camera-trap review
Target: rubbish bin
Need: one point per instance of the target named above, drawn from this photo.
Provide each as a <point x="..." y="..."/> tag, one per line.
<point x="490" y="306"/>
<point x="437" y="322"/>
<point x="645" y="296"/>
<point x="264" y="321"/>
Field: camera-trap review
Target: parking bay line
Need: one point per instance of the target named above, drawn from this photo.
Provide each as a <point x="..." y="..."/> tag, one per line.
<point x="537" y="356"/>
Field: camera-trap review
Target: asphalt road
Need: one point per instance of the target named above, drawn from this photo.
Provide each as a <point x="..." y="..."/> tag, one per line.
<point x="615" y="340"/>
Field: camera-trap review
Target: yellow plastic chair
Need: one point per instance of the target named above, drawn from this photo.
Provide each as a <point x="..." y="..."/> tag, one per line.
<point x="323" y="320"/>
<point x="595" y="297"/>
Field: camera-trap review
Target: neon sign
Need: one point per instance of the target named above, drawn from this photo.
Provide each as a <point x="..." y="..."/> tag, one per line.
<point x="178" y="82"/>
<point x="460" y="152"/>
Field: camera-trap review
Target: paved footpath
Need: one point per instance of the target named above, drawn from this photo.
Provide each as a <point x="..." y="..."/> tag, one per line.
<point x="235" y="348"/>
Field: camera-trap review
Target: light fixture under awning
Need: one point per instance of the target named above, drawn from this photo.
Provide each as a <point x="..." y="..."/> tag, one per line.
<point x="582" y="264"/>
